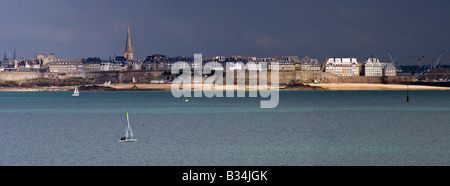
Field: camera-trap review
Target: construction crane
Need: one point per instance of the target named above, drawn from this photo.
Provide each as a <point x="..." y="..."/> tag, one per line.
<point x="418" y="61"/>
<point x="393" y="61"/>
<point x="438" y="59"/>
<point x="396" y="60"/>
<point x="34" y="53"/>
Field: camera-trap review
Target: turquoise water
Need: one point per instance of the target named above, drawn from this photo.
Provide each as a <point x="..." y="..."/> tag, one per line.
<point x="307" y="128"/>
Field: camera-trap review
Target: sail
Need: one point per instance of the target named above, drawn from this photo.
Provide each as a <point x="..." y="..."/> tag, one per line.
<point x="129" y="130"/>
<point x="129" y="126"/>
<point x="76" y="90"/>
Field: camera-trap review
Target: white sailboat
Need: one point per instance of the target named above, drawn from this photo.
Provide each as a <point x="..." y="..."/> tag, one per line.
<point x="76" y="93"/>
<point x="128" y="133"/>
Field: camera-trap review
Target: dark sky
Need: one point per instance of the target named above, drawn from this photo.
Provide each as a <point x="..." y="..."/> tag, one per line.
<point x="317" y="28"/>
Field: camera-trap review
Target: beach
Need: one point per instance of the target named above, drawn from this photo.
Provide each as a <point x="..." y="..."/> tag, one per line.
<point x="167" y="87"/>
<point x="375" y="86"/>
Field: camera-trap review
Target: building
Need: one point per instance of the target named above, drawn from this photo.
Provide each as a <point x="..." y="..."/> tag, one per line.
<point x="308" y="64"/>
<point x="251" y="65"/>
<point x="62" y="65"/>
<point x="29" y="64"/>
<point x="129" y="53"/>
<point x="342" y="66"/>
<point x="155" y="62"/>
<point x="92" y="64"/>
<point x="108" y="65"/>
<point x="10" y="64"/>
<point x="2" y="67"/>
<point x="388" y="69"/>
<point x="220" y="59"/>
<point x="372" y="67"/>
<point x="285" y="63"/>
<point x="46" y="58"/>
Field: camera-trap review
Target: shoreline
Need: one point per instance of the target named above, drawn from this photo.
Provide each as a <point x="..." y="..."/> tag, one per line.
<point x="376" y="86"/>
<point x="167" y="87"/>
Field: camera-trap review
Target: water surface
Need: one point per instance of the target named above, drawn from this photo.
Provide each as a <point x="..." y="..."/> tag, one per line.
<point x="307" y="128"/>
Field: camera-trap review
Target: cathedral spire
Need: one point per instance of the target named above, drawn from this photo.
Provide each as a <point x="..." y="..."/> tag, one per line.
<point x="128" y="54"/>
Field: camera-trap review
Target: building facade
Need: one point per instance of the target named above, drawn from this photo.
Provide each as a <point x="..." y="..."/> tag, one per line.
<point x="342" y="66"/>
<point x="308" y="64"/>
<point x="92" y="64"/>
<point x="66" y="66"/>
<point x="389" y="69"/>
<point x="372" y="67"/>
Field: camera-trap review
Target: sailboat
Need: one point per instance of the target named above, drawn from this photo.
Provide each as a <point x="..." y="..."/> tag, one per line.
<point x="76" y="93"/>
<point x="128" y="133"/>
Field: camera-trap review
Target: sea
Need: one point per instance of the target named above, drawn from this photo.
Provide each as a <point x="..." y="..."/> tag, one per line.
<point x="313" y="128"/>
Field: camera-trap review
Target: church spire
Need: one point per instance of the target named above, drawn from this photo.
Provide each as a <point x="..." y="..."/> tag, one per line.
<point x="128" y="54"/>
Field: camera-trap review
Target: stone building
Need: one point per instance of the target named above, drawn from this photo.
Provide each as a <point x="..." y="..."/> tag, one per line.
<point x="372" y="67"/>
<point x="62" y="65"/>
<point x="389" y="69"/>
<point x="129" y="52"/>
<point x="92" y="64"/>
<point x="342" y="66"/>
<point x="286" y="63"/>
<point x="308" y="64"/>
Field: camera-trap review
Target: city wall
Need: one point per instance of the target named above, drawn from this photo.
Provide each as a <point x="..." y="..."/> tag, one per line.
<point x="308" y="77"/>
<point x="127" y="77"/>
<point x="16" y="76"/>
<point x="113" y="76"/>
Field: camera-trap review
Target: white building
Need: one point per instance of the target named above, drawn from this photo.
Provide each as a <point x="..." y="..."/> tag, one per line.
<point x="254" y="66"/>
<point x="235" y="66"/>
<point x="372" y="67"/>
<point x="342" y="66"/>
<point x="108" y="66"/>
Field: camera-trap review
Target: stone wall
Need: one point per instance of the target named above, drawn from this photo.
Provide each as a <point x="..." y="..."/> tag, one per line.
<point x="284" y="77"/>
<point x="325" y="77"/>
<point x="113" y="76"/>
<point x="14" y="76"/>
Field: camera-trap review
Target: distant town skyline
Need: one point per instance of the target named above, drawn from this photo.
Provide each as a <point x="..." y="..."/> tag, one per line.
<point x="316" y="28"/>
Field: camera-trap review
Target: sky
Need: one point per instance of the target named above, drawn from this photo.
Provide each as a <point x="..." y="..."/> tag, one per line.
<point x="315" y="28"/>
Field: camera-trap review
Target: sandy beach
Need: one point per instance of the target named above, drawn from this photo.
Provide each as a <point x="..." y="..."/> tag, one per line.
<point x="375" y="86"/>
<point x="167" y="87"/>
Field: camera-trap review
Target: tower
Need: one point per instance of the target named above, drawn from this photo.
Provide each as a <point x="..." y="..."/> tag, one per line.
<point x="128" y="54"/>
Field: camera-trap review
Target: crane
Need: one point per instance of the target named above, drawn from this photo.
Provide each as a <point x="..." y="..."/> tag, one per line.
<point x="418" y="61"/>
<point x="394" y="61"/>
<point x="34" y="53"/>
<point x="438" y="59"/>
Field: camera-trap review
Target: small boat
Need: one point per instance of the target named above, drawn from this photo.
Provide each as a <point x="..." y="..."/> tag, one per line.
<point x="128" y="133"/>
<point x="76" y="93"/>
<point x="186" y="100"/>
